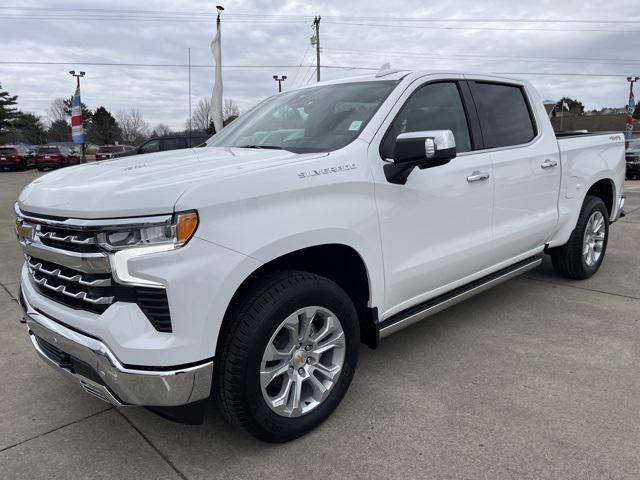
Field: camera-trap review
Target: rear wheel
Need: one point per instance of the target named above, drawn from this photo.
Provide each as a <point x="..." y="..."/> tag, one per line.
<point x="583" y="254"/>
<point x="287" y="356"/>
<point x="23" y="166"/>
<point x="40" y="169"/>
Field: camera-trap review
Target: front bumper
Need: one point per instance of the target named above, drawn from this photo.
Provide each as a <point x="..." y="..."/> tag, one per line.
<point x="93" y="365"/>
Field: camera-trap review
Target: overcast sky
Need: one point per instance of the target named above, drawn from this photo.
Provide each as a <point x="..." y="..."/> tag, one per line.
<point x="160" y="32"/>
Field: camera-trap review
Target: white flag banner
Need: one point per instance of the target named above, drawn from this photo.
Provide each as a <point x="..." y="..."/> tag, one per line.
<point x="216" y="97"/>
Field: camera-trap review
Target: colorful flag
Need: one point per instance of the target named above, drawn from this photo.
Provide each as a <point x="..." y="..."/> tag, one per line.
<point x="77" y="132"/>
<point x="631" y="106"/>
<point x="216" y="97"/>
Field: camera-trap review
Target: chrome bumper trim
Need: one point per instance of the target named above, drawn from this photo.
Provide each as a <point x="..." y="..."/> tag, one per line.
<point x="122" y="386"/>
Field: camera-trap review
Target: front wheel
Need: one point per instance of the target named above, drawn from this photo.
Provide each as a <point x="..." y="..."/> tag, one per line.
<point x="583" y="254"/>
<point x="287" y="355"/>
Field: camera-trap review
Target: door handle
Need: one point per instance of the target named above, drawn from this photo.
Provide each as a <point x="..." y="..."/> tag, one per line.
<point x="549" y="164"/>
<point x="477" y="177"/>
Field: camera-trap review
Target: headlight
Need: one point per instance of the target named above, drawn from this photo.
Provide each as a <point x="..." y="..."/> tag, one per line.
<point x="171" y="235"/>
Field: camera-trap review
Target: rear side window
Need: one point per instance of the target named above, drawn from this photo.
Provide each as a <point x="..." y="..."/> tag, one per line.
<point x="505" y="116"/>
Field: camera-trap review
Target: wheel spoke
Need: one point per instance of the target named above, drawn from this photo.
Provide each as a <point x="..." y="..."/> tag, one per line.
<point x="320" y="392"/>
<point x="279" y="402"/>
<point x="267" y="375"/>
<point x="272" y="353"/>
<point x="335" y="341"/>
<point x="296" y="396"/>
<point x="306" y="322"/>
<point x="328" y="372"/>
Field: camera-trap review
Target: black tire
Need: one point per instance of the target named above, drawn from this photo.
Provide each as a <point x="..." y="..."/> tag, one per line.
<point x="40" y="169"/>
<point x="23" y="166"/>
<point x="568" y="260"/>
<point x="249" y="324"/>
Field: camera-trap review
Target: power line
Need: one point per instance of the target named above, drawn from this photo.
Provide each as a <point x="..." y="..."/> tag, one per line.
<point x="332" y="17"/>
<point x="448" y="56"/>
<point x="430" y="27"/>
<point x="177" y="65"/>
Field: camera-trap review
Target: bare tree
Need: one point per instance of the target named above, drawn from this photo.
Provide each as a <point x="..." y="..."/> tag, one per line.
<point x="230" y="109"/>
<point x="58" y="110"/>
<point x="134" y="128"/>
<point x="201" y="118"/>
<point x="161" y="130"/>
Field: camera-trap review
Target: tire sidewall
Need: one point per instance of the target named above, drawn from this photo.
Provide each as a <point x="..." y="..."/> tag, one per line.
<point x="595" y="204"/>
<point x="265" y="423"/>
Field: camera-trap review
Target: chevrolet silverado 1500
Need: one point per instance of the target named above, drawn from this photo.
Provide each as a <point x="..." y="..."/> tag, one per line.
<point x="333" y="215"/>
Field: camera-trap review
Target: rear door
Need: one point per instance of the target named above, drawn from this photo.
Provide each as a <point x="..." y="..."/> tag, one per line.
<point x="526" y="167"/>
<point x="436" y="228"/>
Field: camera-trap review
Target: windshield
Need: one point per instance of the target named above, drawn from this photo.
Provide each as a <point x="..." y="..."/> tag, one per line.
<point x="48" y="150"/>
<point x="317" y="119"/>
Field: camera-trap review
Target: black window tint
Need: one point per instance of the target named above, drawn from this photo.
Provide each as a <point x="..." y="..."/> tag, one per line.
<point x="436" y="106"/>
<point x="505" y="118"/>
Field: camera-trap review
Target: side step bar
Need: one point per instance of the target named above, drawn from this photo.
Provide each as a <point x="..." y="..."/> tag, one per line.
<point x="435" y="305"/>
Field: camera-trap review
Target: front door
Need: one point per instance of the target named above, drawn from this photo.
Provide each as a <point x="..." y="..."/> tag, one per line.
<point x="437" y="228"/>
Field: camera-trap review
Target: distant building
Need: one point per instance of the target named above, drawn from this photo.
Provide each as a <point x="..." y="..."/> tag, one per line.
<point x="596" y="122"/>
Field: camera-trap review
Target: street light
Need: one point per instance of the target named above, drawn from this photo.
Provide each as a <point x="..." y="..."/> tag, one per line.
<point x="279" y="80"/>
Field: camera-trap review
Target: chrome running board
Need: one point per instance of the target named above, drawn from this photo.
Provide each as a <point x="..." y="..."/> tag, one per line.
<point x="435" y="305"/>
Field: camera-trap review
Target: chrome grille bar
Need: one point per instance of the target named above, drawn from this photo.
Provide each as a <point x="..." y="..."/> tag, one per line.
<point x="75" y="239"/>
<point x="83" y="296"/>
<point x="57" y="273"/>
<point x="83" y="262"/>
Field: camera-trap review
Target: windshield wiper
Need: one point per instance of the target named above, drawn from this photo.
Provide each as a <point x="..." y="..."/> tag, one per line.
<point x="269" y="147"/>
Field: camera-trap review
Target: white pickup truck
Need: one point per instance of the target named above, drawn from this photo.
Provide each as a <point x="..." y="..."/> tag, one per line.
<point x="251" y="270"/>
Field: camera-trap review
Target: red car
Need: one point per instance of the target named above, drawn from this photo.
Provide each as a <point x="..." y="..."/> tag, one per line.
<point x="106" y="152"/>
<point x="55" y="156"/>
<point x="15" y="157"/>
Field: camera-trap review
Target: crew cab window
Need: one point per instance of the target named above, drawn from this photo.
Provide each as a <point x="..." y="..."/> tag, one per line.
<point x="505" y="117"/>
<point x="435" y="106"/>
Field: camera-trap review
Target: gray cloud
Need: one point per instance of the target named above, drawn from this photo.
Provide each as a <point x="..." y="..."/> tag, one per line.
<point x="161" y="93"/>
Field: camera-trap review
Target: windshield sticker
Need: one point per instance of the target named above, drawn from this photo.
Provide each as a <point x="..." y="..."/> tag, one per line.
<point x="355" y="125"/>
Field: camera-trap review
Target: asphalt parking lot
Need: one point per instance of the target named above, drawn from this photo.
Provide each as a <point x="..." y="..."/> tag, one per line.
<point x="537" y="378"/>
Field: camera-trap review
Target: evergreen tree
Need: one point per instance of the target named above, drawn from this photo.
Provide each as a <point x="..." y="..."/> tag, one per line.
<point x="103" y="128"/>
<point x="7" y="110"/>
<point x="59" y="131"/>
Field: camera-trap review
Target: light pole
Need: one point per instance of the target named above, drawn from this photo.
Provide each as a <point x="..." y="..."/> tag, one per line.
<point x="280" y="80"/>
<point x="78" y="76"/>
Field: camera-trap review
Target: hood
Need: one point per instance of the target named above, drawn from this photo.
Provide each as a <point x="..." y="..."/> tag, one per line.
<point x="142" y="184"/>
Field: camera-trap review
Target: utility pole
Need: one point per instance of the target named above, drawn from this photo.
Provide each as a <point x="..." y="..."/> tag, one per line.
<point x="280" y="80"/>
<point x="315" y="40"/>
<point x="78" y="76"/>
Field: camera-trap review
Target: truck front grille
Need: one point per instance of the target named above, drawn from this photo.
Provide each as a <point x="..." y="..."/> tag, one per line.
<point x="67" y="265"/>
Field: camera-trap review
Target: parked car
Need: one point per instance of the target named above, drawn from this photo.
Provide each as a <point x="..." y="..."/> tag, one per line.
<point x="632" y="156"/>
<point x="252" y="269"/>
<point x="15" y="157"/>
<point x="163" y="144"/>
<point x="56" y="156"/>
<point x="106" y="152"/>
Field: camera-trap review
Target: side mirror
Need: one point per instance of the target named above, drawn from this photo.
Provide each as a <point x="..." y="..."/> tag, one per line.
<point x="425" y="149"/>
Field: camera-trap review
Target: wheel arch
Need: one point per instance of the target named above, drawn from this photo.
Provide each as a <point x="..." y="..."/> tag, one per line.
<point x="605" y="190"/>
<point x="338" y="262"/>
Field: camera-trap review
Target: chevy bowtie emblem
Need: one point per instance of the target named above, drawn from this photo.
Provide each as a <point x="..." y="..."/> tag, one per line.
<point x="24" y="230"/>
